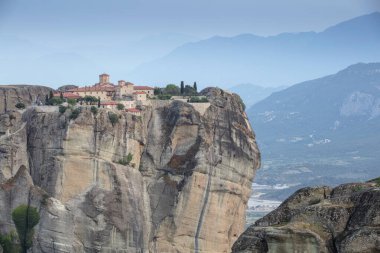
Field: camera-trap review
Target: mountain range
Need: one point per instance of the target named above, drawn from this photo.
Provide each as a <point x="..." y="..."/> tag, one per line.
<point x="252" y="94"/>
<point x="278" y="60"/>
<point x="271" y="61"/>
<point x="323" y="131"/>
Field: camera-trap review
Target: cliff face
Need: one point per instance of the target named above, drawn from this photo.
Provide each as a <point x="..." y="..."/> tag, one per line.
<point x="185" y="190"/>
<point x="10" y="95"/>
<point x="343" y="219"/>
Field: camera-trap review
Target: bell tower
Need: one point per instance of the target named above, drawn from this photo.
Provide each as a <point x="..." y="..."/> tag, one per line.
<point x="104" y="78"/>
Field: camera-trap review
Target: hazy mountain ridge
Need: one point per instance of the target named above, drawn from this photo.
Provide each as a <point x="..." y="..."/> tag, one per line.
<point x="323" y="131"/>
<point x="249" y="58"/>
<point x="331" y="100"/>
<point x="251" y="94"/>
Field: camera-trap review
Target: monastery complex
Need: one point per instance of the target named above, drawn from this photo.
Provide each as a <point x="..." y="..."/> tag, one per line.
<point x="110" y="94"/>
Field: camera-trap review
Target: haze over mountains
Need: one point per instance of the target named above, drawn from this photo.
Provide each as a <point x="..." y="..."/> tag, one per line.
<point x="168" y="58"/>
<point x="323" y="131"/>
<point x="54" y="65"/>
<point x="284" y="59"/>
<point x="252" y="94"/>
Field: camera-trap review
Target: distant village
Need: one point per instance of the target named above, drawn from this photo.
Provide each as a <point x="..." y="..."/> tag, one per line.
<point x="123" y="95"/>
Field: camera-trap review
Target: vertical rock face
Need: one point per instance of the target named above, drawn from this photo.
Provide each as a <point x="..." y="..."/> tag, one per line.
<point x="343" y="219"/>
<point x="10" y="95"/>
<point x="185" y="190"/>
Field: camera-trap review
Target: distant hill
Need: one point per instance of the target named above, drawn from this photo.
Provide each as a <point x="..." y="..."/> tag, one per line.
<point x="283" y="59"/>
<point x="324" y="131"/>
<point x="251" y="94"/>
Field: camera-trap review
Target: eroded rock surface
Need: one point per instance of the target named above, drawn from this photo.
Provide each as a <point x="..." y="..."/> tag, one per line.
<point x="343" y="219"/>
<point x="185" y="190"/>
<point x="10" y="95"/>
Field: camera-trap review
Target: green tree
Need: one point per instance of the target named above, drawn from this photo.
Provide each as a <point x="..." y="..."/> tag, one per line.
<point x="25" y="218"/>
<point x="189" y="91"/>
<point x="90" y="100"/>
<point x="98" y="102"/>
<point x="182" y="87"/>
<point x="195" y="87"/>
<point x="55" y="101"/>
<point x="157" y="91"/>
<point x="72" y="101"/>
<point x="120" y="107"/>
<point x="172" y="89"/>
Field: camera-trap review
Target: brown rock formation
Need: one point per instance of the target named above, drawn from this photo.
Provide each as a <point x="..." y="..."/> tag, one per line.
<point x="343" y="219"/>
<point x="185" y="190"/>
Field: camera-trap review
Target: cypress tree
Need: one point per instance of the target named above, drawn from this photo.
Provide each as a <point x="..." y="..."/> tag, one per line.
<point x="98" y="102"/>
<point x="195" y="87"/>
<point x="182" y="87"/>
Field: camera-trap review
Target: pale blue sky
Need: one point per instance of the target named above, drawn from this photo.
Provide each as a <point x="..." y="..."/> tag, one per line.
<point x="139" y="18"/>
<point x="56" y="42"/>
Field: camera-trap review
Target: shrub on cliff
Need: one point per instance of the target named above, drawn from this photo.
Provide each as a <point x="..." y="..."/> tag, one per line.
<point x="164" y="97"/>
<point x="94" y="110"/>
<point x="55" y="101"/>
<point x="75" y="113"/>
<point x="198" y="100"/>
<point x="20" y="105"/>
<point x="9" y="243"/>
<point x="72" y="101"/>
<point x="62" y="109"/>
<point x="126" y="159"/>
<point x="120" y="107"/>
<point x="25" y="218"/>
<point x="113" y="118"/>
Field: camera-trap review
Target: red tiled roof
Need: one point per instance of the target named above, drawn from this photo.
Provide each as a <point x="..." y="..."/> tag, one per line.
<point x="133" y="110"/>
<point x="108" y="103"/>
<point x="142" y="88"/>
<point x="67" y="95"/>
<point x="139" y="92"/>
<point x="94" y="88"/>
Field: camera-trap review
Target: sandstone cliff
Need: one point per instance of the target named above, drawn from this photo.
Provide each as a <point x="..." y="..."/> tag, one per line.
<point x="10" y="95"/>
<point x="343" y="219"/>
<point x="185" y="190"/>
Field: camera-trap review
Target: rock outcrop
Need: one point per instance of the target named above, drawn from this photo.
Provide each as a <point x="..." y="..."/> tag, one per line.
<point x="343" y="219"/>
<point x="10" y="95"/>
<point x="185" y="190"/>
